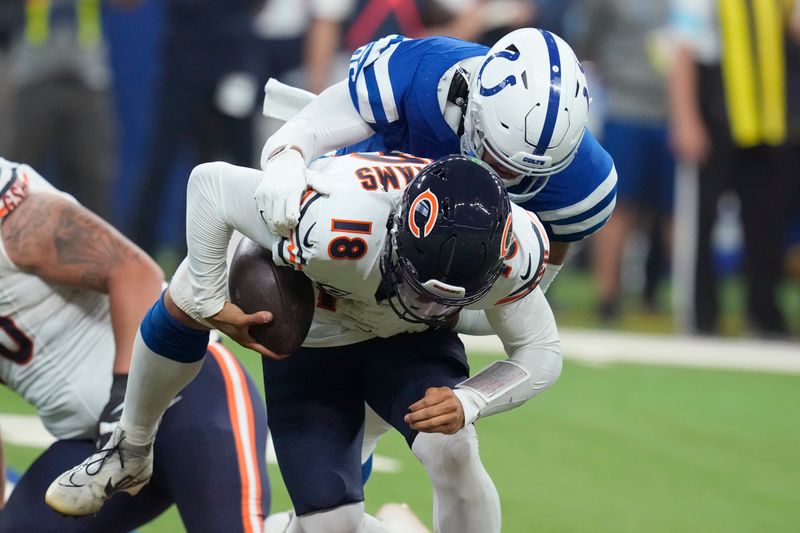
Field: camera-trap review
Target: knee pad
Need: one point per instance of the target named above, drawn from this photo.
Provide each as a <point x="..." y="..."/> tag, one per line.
<point x="344" y="519"/>
<point x="164" y="335"/>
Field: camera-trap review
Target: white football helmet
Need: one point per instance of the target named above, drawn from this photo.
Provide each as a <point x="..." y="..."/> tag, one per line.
<point x="528" y="106"/>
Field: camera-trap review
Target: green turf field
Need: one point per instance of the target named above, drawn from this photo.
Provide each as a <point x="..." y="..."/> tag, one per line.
<point x="617" y="449"/>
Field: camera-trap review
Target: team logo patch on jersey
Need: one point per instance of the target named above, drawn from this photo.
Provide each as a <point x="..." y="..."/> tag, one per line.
<point x="425" y="209"/>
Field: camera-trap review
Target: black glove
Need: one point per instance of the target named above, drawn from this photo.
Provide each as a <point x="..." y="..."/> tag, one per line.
<point x="109" y="418"/>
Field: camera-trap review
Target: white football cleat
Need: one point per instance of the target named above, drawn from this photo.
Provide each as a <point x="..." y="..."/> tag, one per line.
<point x="118" y="467"/>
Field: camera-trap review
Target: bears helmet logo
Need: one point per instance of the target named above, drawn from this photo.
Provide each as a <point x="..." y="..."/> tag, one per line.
<point x="427" y="206"/>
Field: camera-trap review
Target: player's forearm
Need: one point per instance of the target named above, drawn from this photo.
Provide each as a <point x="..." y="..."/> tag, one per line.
<point x="207" y="236"/>
<point x="683" y="95"/>
<point x="528" y="332"/>
<point x="219" y="200"/>
<point x="328" y="123"/>
<point x="132" y="289"/>
<point x="322" y="42"/>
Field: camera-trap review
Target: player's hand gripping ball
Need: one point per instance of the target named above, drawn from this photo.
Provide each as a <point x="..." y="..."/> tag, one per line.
<point x="256" y="284"/>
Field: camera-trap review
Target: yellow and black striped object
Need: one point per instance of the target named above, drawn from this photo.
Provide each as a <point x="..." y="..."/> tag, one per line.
<point x="87" y="14"/>
<point x="754" y="69"/>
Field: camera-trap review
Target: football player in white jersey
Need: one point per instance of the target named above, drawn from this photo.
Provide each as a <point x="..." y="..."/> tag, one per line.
<point x="392" y="260"/>
<point x="521" y="105"/>
<point x="73" y="291"/>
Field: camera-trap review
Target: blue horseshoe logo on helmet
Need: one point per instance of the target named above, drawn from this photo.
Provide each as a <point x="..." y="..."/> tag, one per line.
<point x="509" y="80"/>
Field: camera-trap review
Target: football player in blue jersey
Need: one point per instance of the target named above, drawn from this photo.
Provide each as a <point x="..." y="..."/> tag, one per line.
<point x="521" y="105"/>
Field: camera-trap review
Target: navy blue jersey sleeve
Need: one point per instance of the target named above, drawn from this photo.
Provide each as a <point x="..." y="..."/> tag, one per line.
<point x="579" y="200"/>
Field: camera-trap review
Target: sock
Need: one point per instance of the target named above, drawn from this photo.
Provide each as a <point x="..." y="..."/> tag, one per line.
<point x="464" y="496"/>
<point x="167" y="356"/>
<point x="153" y="383"/>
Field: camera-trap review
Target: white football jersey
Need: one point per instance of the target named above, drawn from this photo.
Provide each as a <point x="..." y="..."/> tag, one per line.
<point x="341" y="237"/>
<point x="56" y="342"/>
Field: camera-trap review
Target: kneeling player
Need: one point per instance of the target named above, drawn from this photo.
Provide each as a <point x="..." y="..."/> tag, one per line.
<point x="382" y="244"/>
<point x="72" y="293"/>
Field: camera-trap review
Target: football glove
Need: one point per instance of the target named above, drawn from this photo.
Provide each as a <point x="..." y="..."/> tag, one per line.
<point x="279" y="191"/>
<point x="109" y="418"/>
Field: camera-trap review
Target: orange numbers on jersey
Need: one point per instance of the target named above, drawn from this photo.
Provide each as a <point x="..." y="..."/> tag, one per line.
<point x="346" y="247"/>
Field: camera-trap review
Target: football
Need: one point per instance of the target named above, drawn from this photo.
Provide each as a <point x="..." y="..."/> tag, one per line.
<point x="256" y="284"/>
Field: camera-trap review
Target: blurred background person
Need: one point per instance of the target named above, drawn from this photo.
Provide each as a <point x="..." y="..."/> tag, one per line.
<point x="61" y="105"/>
<point x="625" y="41"/>
<point x="204" y="101"/>
<point x="11" y="17"/>
<point x="483" y="21"/>
<point x="294" y="34"/>
<point x="298" y="42"/>
<point x="735" y="115"/>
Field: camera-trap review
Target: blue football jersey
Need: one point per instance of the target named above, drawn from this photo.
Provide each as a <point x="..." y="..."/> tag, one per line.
<point x="394" y="84"/>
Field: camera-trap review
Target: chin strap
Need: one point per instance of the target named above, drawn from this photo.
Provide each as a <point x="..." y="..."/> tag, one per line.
<point x="459" y="94"/>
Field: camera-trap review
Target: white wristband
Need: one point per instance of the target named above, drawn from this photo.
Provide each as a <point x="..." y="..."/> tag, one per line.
<point x="471" y="402"/>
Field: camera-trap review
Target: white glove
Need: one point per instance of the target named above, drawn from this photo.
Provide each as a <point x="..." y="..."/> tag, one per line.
<point x="279" y="191"/>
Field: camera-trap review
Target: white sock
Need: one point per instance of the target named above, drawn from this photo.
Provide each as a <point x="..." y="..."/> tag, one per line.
<point x="153" y="382"/>
<point x="465" y="499"/>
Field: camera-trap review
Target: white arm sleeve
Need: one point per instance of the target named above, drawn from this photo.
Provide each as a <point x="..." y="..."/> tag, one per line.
<point x="329" y="122"/>
<point x="283" y="101"/>
<point x="219" y="199"/>
<point x="550" y="272"/>
<point x="527" y="329"/>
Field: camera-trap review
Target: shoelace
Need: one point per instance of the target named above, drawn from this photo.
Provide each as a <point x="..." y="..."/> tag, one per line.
<point x="100" y="461"/>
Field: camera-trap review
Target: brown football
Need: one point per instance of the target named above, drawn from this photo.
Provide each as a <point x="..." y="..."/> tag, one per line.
<point x="256" y="284"/>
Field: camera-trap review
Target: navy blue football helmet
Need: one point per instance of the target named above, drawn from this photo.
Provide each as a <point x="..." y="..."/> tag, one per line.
<point x="447" y="240"/>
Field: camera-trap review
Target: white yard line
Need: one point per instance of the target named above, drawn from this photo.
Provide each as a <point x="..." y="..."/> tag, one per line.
<point x="25" y="430"/>
<point x="28" y="430"/>
<point x="602" y="347"/>
<point x="587" y="346"/>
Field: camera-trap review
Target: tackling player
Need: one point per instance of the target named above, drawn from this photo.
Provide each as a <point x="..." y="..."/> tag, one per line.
<point x="72" y="293"/>
<point x="382" y="244"/>
<point x="522" y="106"/>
